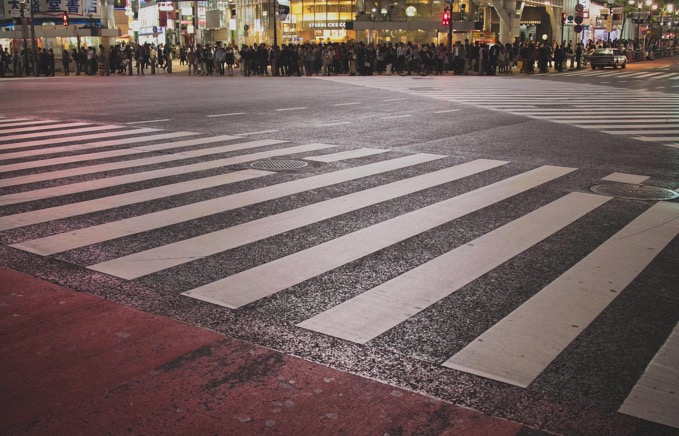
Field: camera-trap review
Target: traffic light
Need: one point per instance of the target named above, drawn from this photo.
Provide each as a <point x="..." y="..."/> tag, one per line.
<point x="64" y="18"/>
<point x="564" y="17"/>
<point x="445" y="18"/>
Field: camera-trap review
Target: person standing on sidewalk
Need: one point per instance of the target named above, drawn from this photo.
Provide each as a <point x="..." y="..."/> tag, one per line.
<point x="191" y="59"/>
<point x="66" y="62"/>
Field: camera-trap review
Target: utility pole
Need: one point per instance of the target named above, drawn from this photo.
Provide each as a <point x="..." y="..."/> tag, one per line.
<point x="34" y="46"/>
<point x="275" y="23"/>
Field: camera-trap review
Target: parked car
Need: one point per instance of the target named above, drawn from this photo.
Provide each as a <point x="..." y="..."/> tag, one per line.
<point x="607" y="57"/>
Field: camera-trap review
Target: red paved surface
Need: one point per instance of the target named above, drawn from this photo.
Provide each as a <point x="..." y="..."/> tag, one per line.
<point x="74" y="363"/>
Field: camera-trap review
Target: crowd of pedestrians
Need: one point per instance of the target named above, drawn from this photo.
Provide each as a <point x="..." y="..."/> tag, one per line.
<point x="223" y="59"/>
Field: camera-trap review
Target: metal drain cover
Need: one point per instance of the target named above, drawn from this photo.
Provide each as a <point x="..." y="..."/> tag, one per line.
<point x="278" y="164"/>
<point x="634" y="192"/>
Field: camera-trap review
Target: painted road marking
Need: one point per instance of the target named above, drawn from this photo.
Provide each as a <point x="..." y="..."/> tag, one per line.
<point x="32" y="178"/>
<point x="88" y="156"/>
<point x="655" y="397"/>
<point x="6" y="123"/>
<point x="149" y="121"/>
<point x="347" y="104"/>
<point x="56" y="133"/>
<point x="257" y="133"/>
<point x="225" y="115"/>
<point x="90" y="185"/>
<point x="113" y="201"/>
<point x="11" y="120"/>
<point x="104" y="232"/>
<point x="519" y="347"/>
<point x="626" y="178"/>
<point x="339" y="123"/>
<point x="37" y="128"/>
<point x="160" y="258"/>
<point x="344" y="155"/>
<point x="291" y="109"/>
<point x="446" y="111"/>
<point x="374" y="312"/>
<point x="264" y="280"/>
<point x="396" y="116"/>
<point x="28" y="144"/>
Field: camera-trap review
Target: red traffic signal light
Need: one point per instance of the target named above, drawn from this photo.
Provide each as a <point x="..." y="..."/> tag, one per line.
<point x="64" y="18"/>
<point x="564" y="17"/>
<point x="445" y="18"/>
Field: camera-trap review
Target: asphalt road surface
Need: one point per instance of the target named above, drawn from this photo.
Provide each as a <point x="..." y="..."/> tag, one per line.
<point x="504" y="243"/>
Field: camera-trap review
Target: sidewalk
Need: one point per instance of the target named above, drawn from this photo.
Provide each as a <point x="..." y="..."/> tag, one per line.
<point x="183" y="70"/>
<point x="76" y="364"/>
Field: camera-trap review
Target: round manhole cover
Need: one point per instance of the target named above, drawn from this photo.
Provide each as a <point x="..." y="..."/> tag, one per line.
<point x="634" y="192"/>
<point x="278" y="164"/>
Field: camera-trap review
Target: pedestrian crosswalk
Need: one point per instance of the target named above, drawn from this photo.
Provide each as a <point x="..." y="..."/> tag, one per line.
<point x="596" y="107"/>
<point x="625" y="74"/>
<point x="179" y="208"/>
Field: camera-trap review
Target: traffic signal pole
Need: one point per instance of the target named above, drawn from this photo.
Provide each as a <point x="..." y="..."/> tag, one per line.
<point x="450" y="30"/>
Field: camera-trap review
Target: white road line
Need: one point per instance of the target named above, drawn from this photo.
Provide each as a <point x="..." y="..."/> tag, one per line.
<point x="257" y="133"/>
<point x="395" y="99"/>
<point x="446" y="111"/>
<point x="656" y="138"/>
<point x="654" y="397"/>
<point x="225" y="115"/>
<point x="106" y="182"/>
<point x="99" y="144"/>
<point x="149" y="121"/>
<point x="331" y="124"/>
<point x="578" y="111"/>
<point x="647" y="75"/>
<point x="344" y="155"/>
<point x="396" y="116"/>
<point x="347" y="104"/>
<point x="374" y="312"/>
<point x="113" y="201"/>
<point x="634" y="126"/>
<point x="23" y="123"/>
<point x="264" y="280"/>
<point x="576" y="118"/>
<point x="651" y="131"/>
<point x="626" y="178"/>
<point x="38" y="128"/>
<point x="11" y="120"/>
<point x="519" y="347"/>
<point x="130" y="226"/>
<point x="54" y="141"/>
<point x="53" y="133"/>
<point x="58" y="174"/>
<point x="160" y="258"/>
<point x="291" y="109"/>
<point x="665" y="76"/>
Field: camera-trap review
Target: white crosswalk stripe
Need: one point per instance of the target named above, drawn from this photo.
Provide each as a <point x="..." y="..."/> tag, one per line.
<point x="518" y="348"/>
<point x="548" y="101"/>
<point x="515" y="348"/>
<point x="654" y="397"/>
<point x="614" y="74"/>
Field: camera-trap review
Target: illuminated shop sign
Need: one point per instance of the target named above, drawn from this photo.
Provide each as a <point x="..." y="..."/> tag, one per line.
<point x="326" y="25"/>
